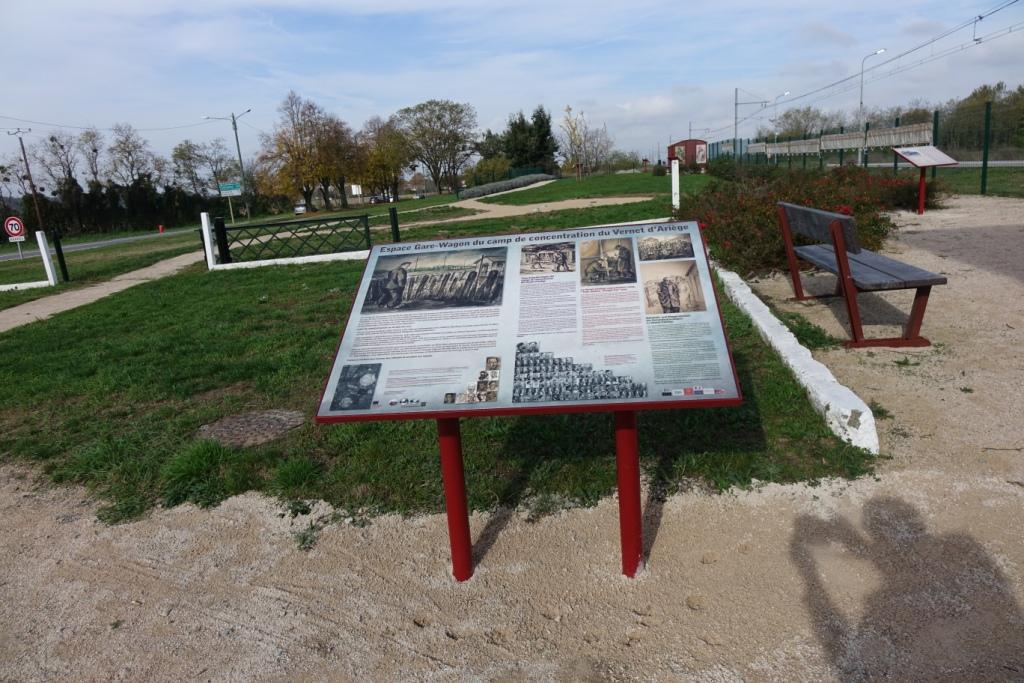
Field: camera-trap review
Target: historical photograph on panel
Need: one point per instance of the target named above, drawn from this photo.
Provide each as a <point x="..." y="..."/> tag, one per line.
<point x="538" y="259"/>
<point x="671" y="287"/>
<point x="607" y="262"/>
<point x="355" y="387"/>
<point x="437" y="279"/>
<point x="659" y="247"/>
<point x="543" y="377"/>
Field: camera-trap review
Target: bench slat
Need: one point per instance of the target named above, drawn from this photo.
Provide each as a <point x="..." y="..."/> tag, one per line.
<point x="871" y="271"/>
<point x="814" y="224"/>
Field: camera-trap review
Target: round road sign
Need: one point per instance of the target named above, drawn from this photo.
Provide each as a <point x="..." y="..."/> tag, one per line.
<point x="14" y="227"/>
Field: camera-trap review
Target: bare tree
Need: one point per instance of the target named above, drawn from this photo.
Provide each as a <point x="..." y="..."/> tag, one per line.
<point x="218" y="163"/>
<point x="187" y="159"/>
<point x="58" y="157"/>
<point x="90" y="144"/>
<point x="584" y="148"/>
<point x="129" y="155"/>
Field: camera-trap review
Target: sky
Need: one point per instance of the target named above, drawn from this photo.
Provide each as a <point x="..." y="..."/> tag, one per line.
<point x="647" y="70"/>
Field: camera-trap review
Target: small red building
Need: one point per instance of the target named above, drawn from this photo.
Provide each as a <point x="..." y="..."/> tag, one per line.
<point x="689" y="152"/>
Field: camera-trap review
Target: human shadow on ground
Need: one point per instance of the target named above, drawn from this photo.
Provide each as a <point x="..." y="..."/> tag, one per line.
<point x="582" y="445"/>
<point x="958" y="248"/>
<point x="944" y="611"/>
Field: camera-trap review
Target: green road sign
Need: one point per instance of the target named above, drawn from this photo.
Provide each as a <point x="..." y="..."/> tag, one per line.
<point x="230" y="189"/>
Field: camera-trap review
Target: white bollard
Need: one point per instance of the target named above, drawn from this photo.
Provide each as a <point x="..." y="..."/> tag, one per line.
<point x="211" y="259"/>
<point x="44" y="252"/>
<point x="675" y="184"/>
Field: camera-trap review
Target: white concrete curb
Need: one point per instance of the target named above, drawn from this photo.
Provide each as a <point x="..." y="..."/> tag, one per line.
<point x="320" y="258"/>
<point x="845" y="413"/>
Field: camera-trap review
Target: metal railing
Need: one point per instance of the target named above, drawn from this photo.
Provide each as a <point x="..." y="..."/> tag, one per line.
<point x="289" y="239"/>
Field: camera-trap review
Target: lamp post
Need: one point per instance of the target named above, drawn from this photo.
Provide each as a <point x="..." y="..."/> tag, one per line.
<point x="861" y="108"/>
<point x="241" y="170"/>
<point x="775" y="114"/>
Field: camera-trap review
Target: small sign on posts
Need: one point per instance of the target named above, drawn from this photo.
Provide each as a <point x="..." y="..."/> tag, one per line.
<point x="230" y="189"/>
<point x="924" y="157"/>
<point x="604" y="318"/>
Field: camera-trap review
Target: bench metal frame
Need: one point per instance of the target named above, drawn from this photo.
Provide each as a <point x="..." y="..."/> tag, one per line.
<point x="848" y="290"/>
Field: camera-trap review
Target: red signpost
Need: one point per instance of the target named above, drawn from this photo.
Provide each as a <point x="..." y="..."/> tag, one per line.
<point x="923" y="157"/>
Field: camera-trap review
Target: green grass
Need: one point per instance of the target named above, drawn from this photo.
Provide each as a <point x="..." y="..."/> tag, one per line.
<point x="807" y="333"/>
<point x="92" y="265"/>
<point x="600" y="186"/>
<point x="110" y="395"/>
<point x="1003" y="181"/>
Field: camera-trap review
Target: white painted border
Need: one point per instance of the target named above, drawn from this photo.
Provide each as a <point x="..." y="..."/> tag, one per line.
<point x="320" y="258"/>
<point x="24" y="285"/>
<point x="845" y="413"/>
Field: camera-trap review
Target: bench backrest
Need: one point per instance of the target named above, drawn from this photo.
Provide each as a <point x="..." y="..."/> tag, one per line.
<point x="814" y="224"/>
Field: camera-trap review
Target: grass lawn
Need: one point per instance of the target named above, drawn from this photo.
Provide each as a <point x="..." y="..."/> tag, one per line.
<point x="110" y="395"/>
<point x="428" y="214"/>
<point x="1002" y="181"/>
<point x="612" y="185"/>
<point x="92" y="265"/>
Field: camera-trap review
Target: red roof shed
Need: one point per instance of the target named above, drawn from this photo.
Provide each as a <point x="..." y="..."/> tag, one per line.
<point x="689" y="152"/>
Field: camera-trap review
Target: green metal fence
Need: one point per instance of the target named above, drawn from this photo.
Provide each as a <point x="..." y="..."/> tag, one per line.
<point x="985" y="137"/>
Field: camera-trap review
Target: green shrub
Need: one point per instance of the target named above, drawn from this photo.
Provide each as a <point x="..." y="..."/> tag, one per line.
<point x="658" y="170"/>
<point x="740" y="220"/>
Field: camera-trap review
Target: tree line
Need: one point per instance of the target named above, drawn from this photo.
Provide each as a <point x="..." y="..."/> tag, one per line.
<point x="98" y="181"/>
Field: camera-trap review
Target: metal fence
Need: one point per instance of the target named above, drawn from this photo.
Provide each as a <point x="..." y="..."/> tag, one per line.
<point x="289" y="239"/>
<point x="987" y="138"/>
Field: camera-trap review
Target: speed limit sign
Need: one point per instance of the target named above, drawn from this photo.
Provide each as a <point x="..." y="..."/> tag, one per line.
<point x="15" y="229"/>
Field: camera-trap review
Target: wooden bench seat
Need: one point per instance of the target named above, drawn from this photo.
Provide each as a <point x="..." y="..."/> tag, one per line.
<point x="838" y="251"/>
<point x="871" y="272"/>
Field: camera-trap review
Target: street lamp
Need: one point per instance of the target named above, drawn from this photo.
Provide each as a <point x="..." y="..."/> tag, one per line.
<point x="241" y="171"/>
<point x="861" y="109"/>
<point x="775" y="114"/>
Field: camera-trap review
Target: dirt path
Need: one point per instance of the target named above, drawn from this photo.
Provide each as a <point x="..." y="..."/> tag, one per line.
<point x="41" y="309"/>
<point x="916" y="574"/>
<point x="507" y="210"/>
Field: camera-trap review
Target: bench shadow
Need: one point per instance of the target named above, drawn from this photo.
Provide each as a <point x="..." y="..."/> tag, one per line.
<point x="670" y="440"/>
<point x="944" y="609"/>
<point x="874" y="310"/>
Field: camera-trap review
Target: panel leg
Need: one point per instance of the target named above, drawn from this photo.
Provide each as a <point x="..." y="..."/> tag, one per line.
<point x="627" y="457"/>
<point x="450" y="442"/>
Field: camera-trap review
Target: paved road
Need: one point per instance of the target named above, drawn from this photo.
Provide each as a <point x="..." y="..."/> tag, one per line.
<point x="84" y="246"/>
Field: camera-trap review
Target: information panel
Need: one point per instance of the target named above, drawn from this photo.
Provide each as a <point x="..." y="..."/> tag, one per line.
<point x="601" y="318"/>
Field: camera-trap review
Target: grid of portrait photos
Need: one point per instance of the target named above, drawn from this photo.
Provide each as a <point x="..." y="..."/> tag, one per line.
<point x="669" y="275"/>
<point x="541" y="377"/>
<point x="484" y="389"/>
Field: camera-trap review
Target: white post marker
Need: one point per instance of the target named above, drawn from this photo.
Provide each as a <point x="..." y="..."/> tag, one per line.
<point x="204" y="220"/>
<point x="44" y="252"/>
<point x="675" y="184"/>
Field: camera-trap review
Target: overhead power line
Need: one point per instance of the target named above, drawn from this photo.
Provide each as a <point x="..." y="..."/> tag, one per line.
<point x="61" y="125"/>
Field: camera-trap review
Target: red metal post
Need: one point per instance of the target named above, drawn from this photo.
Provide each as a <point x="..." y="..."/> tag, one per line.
<point x="450" y="441"/>
<point x="628" y="464"/>
<point x="920" y="193"/>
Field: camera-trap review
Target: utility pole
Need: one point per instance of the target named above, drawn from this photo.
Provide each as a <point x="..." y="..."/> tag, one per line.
<point x="55" y="232"/>
<point x="238" y="148"/>
<point x="736" y="119"/>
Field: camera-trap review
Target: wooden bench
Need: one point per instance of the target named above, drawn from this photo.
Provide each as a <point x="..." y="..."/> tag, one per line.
<point x="838" y="251"/>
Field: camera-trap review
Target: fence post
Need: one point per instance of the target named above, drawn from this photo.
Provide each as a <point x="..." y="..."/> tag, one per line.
<point x="393" y="214"/>
<point x="821" y="154"/>
<point x="935" y="137"/>
<point x="366" y="229"/>
<point x="222" y="240"/>
<point x="895" y="156"/>
<point x="842" y="129"/>
<point x="984" y="147"/>
<point x="867" y="127"/>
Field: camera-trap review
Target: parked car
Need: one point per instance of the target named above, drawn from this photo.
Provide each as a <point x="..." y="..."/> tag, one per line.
<point x="378" y="199"/>
<point x="419" y="195"/>
<point x="300" y="209"/>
